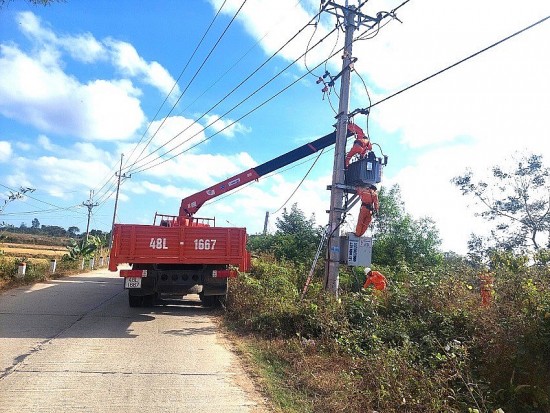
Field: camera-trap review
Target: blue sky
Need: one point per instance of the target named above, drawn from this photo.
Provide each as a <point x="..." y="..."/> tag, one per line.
<point x="81" y="83"/>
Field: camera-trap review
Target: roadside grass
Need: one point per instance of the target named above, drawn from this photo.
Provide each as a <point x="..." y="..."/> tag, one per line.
<point x="427" y="345"/>
<point x="38" y="259"/>
<point x="271" y="373"/>
<point x="37" y="270"/>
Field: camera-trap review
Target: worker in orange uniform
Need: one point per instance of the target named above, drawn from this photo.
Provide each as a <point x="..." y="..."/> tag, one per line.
<point x="361" y="145"/>
<point x="486" y="288"/>
<point x="375" y="278"/>
<point x="369" y="205"/>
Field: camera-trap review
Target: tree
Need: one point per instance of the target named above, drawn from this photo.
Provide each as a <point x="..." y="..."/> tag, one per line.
<point x="296" y="238"/>
<point x="517" y="200"/>
<point x="35" y="224"/>
<point x="54" y="231"/>
<point x="34" y="2"/>
<point x="73" y="231"/>
<point x="399" y="238"/>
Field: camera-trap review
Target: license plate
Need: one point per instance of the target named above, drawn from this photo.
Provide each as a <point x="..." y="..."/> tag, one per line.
<point x="132" y="282"/>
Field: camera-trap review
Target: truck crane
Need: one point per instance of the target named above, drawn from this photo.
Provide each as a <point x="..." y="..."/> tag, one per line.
<point x="182" y="254"/>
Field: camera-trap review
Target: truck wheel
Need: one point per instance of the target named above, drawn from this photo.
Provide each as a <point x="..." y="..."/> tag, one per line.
<point x="135" y="300"/>
<point x="148" y="300"/>
<point x="212" y="300"/>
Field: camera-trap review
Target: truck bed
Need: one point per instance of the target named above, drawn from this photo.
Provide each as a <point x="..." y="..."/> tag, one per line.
<point x="150" y="244"/>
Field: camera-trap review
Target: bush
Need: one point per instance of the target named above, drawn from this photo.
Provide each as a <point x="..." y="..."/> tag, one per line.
<point x="426" y="344"/>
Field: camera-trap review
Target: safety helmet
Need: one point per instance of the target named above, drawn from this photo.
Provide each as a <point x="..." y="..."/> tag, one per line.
<point x="367" y="270"/>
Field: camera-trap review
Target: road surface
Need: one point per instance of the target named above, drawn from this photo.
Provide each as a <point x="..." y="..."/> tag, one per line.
<point x="74" y="345"/>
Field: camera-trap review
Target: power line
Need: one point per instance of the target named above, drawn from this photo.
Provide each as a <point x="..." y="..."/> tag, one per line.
<point x="165" y="99"/>
<point x="175" y="84"/>
<point x="190" y="82"/>
<point x="461" y="61"/>
<point x="140" y="167"/>
<point x="144" y="167"/>
<point x="233" y="65"/>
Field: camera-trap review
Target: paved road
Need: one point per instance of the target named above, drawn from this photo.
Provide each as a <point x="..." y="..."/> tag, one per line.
<point x="74" y="345"/>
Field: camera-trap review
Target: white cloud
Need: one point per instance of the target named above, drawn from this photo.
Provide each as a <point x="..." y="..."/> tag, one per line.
<point x="202" y="170"/>
<point x="5" y="151"/>
<point x="37" y="91"/>
<point x="44" y="96"/>
<point x="84" y="48"/>
<point x="226" y="127"/>
<point x="45" y="143"/>
<point x="57" y="174"/>
<point x="127" y="59"/>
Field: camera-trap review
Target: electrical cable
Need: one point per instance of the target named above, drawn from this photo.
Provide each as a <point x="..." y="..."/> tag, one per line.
<point x="370" y="101"/>
<point x="191" y="81"/>
<point x="233" y="65"/>
<point x="166" y="98"/>
<point x="177" y="80"/>
<point x="321" y="8"/>
<point x="460" y="61"/>
<point x="142" y="168"/>
<point x="296" y="165"/>
<point x="303" y="179"/>
<point x="139" y="168"/>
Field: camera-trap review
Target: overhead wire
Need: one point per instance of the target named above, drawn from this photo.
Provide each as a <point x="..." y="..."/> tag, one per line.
<point x="311" y="38"/>
<point x="318" y="156"/>
<point x="98" y="191"/>
<point x="301" y="182"/>
<point x="139" y="168"/>
<point x="295" y="165"/>
<point x="36" y="199"/>
<point x="460" y="61"/>
<point x="178" y="79"/>
<point x="233" y="65"/>
<point x="190" y="81"/>
<point x="143" y="168"/>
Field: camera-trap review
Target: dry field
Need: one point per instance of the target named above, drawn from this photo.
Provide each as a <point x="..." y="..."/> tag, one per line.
<point x="28" y="250"/>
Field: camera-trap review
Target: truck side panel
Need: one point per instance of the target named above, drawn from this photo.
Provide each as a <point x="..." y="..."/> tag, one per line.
<point x="179" y="245"/>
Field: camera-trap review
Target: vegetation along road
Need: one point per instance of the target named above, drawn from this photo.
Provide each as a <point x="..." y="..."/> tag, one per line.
<point x="73" y="344"/>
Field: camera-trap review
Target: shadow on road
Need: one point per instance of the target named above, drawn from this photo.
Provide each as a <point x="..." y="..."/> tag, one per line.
<point x="85" y="306"/>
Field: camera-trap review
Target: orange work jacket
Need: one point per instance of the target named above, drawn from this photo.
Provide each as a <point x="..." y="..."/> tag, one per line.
<point x="369" y="198"/>
<point x="377" y="280"/>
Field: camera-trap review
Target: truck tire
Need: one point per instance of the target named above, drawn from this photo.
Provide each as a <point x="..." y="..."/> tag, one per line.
<point x="148" y="300"/>
<point x="135" y="300"/>
<point x="212" y="300"/>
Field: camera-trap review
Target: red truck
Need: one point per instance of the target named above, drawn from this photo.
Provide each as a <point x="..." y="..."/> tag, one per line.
<point x="178" y="256"/>
<point x="182" y="254"/>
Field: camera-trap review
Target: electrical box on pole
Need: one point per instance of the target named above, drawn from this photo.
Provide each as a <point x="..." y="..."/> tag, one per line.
<point x="355" y="250"/>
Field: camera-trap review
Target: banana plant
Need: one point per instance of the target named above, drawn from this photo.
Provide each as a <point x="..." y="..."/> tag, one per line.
<point x="85" y="250"/>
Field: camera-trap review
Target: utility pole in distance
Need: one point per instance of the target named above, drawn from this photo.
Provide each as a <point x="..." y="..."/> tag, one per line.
<point x="90" y="205"/>
<point x="352" y="18"/>
<point x="119" y="175"/>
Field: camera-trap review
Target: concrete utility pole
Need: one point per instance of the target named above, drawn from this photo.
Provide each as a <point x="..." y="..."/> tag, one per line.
<point x="336" y="193"/>
<point x="266" y="221"/>
<point x="353" y="18"/>
<point x="119" y="175"/>
<point x="90" y="205"/>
